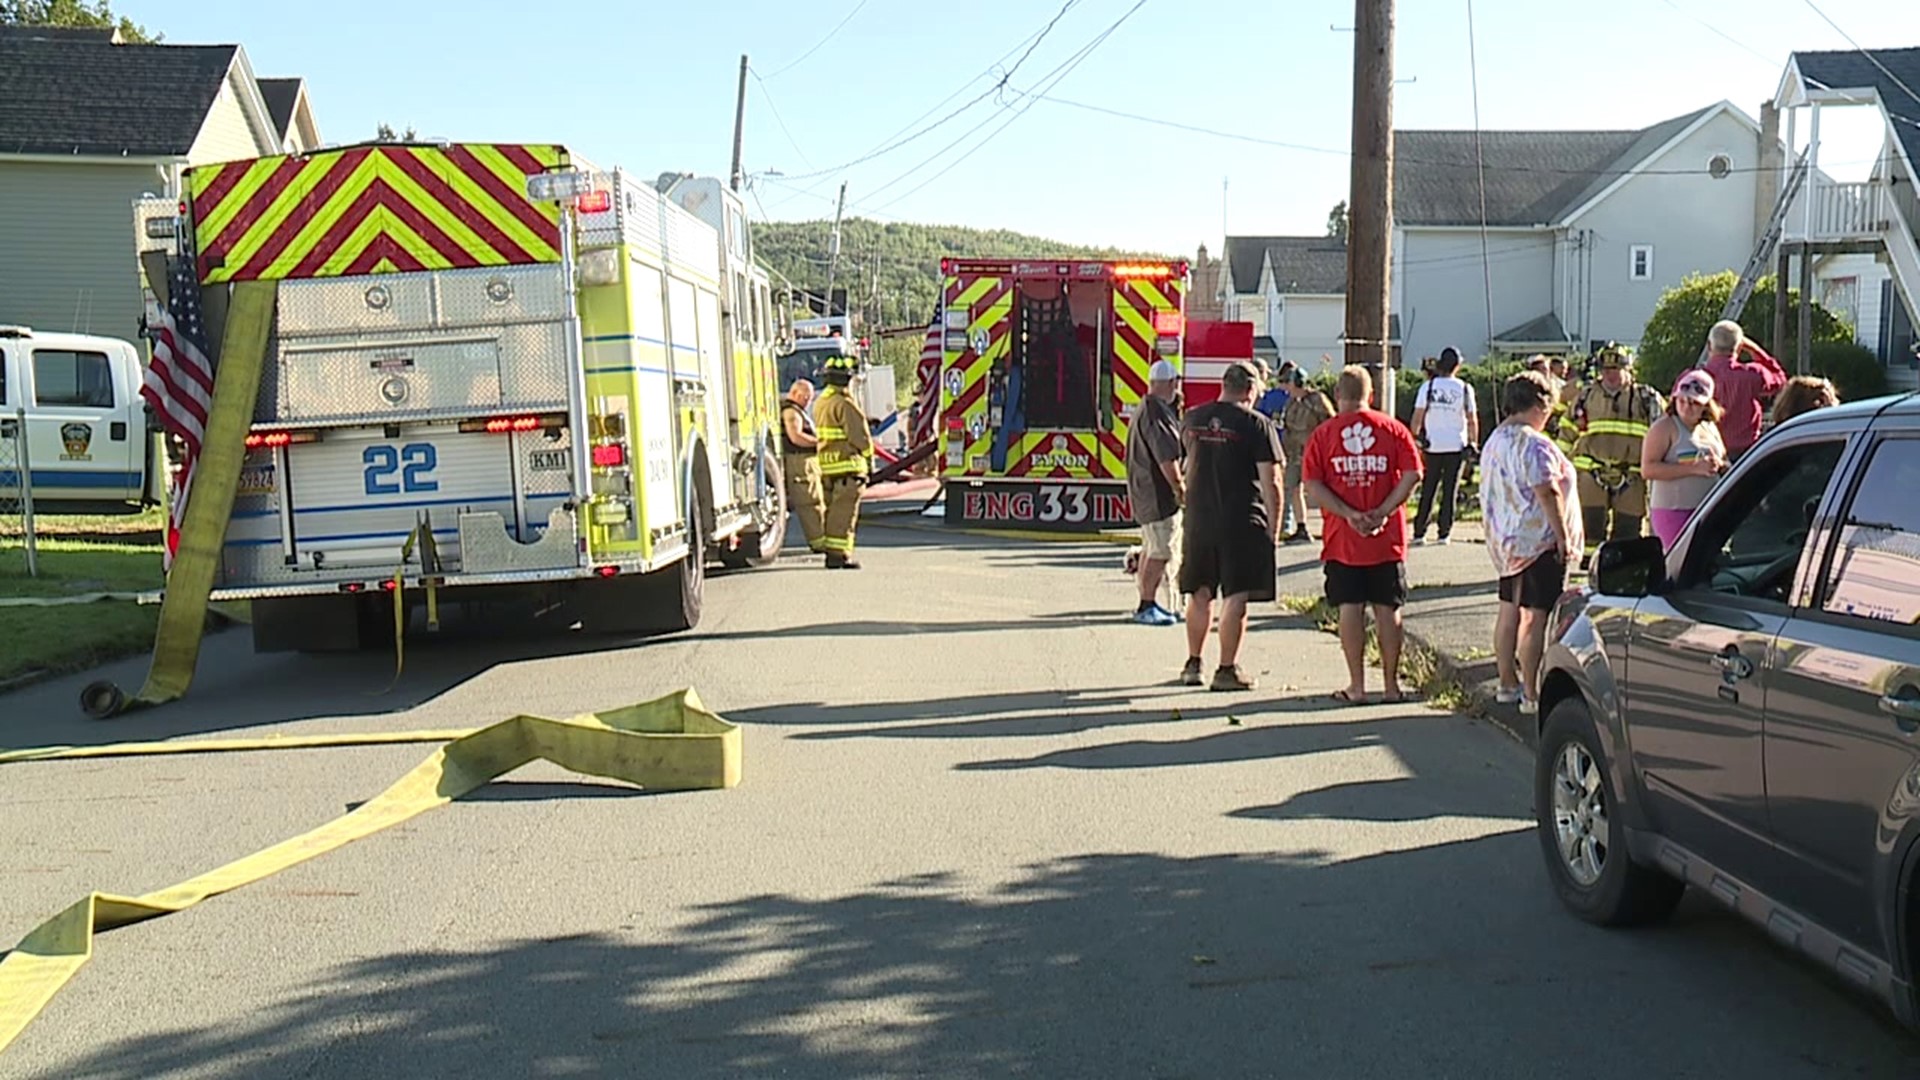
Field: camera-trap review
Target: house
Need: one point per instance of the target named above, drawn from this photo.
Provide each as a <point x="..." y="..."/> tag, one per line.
<point x="1576" y="234"/>
<point x="1861" y="237"/>
<point x="1293" y="290"/>
<point x="88" y="125"/>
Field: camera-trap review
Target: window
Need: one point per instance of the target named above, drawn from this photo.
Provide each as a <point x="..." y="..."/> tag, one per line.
<point x="1751" y="542"/>
<point x="1876" y="570"/>
<point x="4" y="400"/>
<point x="1640" y="262"/>
<point x="80" y="379"/>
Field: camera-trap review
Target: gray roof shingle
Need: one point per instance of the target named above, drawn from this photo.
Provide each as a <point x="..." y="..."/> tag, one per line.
<point x="281" y="95"/>
<point x="1533" y="177"/>
<point x="64" y="96"/>
<point x="1847" y="69"/>
<point x="1301" y="264"/>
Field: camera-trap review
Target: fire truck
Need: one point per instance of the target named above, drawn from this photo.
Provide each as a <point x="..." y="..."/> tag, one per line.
<point x="1045" y="362"/>
<point x="494" y="369"/>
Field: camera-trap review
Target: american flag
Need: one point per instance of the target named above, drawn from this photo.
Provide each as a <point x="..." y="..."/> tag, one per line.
<point x="179" y="381"/>
<point x="926" y="397"/>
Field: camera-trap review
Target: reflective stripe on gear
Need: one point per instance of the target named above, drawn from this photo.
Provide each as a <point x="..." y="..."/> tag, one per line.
<point x="701" y="751"/>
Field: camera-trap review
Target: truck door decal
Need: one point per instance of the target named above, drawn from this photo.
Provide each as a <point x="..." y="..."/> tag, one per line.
<point x="413" y="462"/>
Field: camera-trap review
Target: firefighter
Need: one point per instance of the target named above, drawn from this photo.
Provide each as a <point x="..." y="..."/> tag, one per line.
<point x="798" y="443"/>
<point x="845" y="448"/>
<point x="1612" y="415"/>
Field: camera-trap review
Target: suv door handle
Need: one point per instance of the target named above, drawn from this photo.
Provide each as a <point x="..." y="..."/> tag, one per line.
<point x="1730" y="663"/>
<point x="1904" y="708"/>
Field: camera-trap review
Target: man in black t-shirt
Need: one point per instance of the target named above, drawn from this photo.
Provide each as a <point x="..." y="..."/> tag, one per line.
<point x="1232" y="520"/>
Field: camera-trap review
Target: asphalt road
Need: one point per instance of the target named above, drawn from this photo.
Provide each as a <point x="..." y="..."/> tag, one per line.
<point x="980" y="835"/>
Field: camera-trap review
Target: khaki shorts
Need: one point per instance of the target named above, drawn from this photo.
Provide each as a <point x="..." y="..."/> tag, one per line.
<point x="1160" y="539"/>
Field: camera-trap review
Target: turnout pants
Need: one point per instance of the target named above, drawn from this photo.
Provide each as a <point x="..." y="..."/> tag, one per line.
<point x="1627" y="507"/>
<point x="843" y="511"/>
<point x="804" y="496"/>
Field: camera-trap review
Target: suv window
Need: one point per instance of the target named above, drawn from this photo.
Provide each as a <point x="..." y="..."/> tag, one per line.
<point x="1751" y="542"/>
<point x="83" y="379"/>
<point x="1876" y="571"/>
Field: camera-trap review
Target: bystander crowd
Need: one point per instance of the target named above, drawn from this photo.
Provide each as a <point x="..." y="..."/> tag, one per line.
<point x="1532" y="517"/>
<point x="1360" y="467"/>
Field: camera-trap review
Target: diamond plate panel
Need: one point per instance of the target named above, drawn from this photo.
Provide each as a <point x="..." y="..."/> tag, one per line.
<point x="533" y="365"/>
<point x="491" y="296"/>
<point x="384" y="302"/>
<point x="320" y="383"/>
<point x="485" y="547"/>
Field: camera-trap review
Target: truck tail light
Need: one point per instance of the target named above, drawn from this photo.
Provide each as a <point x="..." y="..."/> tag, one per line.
<point x="610" y="456"/>
<point x="271" y="439"/>
<point x="503" y="425"/>
<point x="594" y="202"/>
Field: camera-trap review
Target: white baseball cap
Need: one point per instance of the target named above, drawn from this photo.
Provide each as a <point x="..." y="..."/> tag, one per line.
<point x="1163" y="371"/>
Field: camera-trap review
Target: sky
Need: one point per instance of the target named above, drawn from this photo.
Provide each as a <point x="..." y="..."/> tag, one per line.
<point x="962" y="117"/>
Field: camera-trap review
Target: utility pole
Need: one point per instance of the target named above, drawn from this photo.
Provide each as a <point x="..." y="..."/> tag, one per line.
<point x="739" y="124"/>
<point x="833" y="244"/>
<point x="1370" y="201"/>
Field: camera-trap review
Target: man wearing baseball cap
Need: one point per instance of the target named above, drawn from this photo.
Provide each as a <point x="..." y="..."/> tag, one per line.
<point x="1155" y="489"/>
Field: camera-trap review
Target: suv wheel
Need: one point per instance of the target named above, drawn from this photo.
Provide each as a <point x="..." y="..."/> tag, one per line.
<point x="1586" y="851"/>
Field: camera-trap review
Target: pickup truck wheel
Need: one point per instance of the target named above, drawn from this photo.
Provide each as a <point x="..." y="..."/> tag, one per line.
<point x="1585" y="848"/>
<point x="760" y="545"/>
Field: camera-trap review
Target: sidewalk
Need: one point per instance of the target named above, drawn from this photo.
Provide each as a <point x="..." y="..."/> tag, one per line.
<point x="1449" y="614"/>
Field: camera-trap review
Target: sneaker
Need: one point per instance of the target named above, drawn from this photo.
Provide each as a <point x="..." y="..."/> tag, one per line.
<point x="1190" y="675"/>
<point x="1153" y="615"/>
<point x="1509" y="695"/>
<point x="1529" y="707"/>
<point x="1229" y="678"/>
<point x="1446" y="541"/>
<point x="1301" y="537"/>
<point x="1173" y="617"/>
<point x="1423" y="542"/>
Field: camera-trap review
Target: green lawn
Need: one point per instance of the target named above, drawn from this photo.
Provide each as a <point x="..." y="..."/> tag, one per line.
<point x="72" y="637"/>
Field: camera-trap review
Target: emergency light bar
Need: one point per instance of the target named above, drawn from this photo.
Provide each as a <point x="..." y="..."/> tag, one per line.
<point x="559" y="186"/>
<point x="270" y="439"/>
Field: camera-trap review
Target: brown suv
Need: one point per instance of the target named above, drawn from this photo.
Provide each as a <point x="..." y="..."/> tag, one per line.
<point x="1742" y="714"/>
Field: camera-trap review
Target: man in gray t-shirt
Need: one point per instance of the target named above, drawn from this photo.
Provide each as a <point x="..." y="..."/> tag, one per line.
<point x="1154" y="487"/>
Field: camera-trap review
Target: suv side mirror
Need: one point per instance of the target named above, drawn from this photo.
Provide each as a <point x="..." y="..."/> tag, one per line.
<point x="1630" y="568"/>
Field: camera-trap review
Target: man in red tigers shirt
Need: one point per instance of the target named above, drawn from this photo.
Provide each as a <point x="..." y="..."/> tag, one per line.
<point x="1360" y="467"/>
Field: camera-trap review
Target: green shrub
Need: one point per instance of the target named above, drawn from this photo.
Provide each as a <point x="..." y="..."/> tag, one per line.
<point x="1856" y="373"/>
<point x="1678" y="329"/>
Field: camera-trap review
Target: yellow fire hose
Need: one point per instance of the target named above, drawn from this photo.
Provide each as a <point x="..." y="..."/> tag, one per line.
<point x="183" y="612"/>
<point x="670" y="744"/>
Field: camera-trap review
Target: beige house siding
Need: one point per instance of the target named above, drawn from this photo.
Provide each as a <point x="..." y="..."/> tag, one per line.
<point x="68" y="234"/>
<point x="227" y="135"/>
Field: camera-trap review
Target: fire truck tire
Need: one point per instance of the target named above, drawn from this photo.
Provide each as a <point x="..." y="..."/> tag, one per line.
<point x="760" y="545"/>
<point x="672" y="596"/>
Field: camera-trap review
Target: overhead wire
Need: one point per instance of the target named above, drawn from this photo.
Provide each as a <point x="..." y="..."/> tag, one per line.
<point x="767" y="96"/>
<point x="837" y="27"/>
<point x="1871" y="59"/>
<point x="1048" y="81"/>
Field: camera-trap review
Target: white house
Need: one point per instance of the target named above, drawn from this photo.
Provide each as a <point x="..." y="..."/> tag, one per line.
<point x="1863" y="235"/>
<point x="1578" y="234"/>
<point x="87" y="126"/>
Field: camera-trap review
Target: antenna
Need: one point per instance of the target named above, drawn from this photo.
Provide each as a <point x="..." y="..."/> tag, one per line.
<point x="1223" y="214"/>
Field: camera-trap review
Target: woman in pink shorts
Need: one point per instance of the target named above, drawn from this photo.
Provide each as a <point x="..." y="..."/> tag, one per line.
<point x="1683" y="455"/>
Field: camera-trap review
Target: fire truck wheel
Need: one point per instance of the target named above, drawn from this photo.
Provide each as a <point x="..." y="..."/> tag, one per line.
<point x="671" y="597"/>
<point x="760" y="545"/>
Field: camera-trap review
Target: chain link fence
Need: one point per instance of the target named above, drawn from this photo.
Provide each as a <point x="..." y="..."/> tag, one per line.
<point x="16" y="498"/>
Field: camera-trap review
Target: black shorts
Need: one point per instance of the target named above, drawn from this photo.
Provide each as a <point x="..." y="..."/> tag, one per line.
<point x="1384" y="584"/>
<point x="1228" y="564"/>
<point x="1538" y="587"/>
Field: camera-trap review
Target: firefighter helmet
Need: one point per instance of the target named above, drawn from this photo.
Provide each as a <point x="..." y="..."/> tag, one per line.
<point x="1613" y="354"/>
<point x="845" y="364"/>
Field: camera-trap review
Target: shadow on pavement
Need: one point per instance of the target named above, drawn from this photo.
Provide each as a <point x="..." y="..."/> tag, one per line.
<point x="1442" y="961"/>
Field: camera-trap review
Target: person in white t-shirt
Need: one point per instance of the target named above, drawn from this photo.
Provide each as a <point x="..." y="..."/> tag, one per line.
<point x="1447" y="419"/>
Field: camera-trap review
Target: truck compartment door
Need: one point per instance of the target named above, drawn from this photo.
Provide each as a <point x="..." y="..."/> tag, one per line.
<point x="80" y="428"/>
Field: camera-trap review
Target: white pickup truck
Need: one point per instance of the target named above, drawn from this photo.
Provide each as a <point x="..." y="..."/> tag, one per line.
<point x="88" y="444"/>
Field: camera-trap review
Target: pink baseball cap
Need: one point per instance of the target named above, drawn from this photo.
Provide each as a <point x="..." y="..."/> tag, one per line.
<point x="1694" y="386"/>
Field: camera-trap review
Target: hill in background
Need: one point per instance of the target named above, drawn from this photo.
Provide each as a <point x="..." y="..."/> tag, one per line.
<point x="907" y="258"/>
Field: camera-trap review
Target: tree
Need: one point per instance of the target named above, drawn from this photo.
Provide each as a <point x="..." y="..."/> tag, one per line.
<point x="1678" y="329"/>
<point x="73" y="14"/>
<point x="385" y="134"/>
<point x="1337" y="220"/>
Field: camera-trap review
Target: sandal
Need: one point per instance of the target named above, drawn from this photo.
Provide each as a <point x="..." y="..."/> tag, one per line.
<point x="1341" y="697"/>
<point x="1397" y="698"/>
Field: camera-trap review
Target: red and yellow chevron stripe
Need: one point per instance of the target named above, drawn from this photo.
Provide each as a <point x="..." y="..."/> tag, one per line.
<point x="1055" y="455"/>
<point x="373" y="209"/>
<point x="988" y="302"/>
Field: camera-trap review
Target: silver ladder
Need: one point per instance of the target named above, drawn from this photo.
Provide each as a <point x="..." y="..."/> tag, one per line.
<point x="1769" y="243"/>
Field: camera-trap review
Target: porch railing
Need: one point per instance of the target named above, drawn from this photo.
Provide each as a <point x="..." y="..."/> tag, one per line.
<point x="1844" y="212"/>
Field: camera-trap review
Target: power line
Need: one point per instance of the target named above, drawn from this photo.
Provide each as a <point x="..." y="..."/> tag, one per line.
<point x="1872" y="59"/>
<point x="1399" y="158"/>
<point x="1048" y="81"/>
<point x="790" y="65"/>
<point x="1480" y="164"/>
<point x="767" y="97"/>
<point x="1726" y="37"/>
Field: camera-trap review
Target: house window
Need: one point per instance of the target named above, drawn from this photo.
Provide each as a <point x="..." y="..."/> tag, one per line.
<point x="1640" y="262"/>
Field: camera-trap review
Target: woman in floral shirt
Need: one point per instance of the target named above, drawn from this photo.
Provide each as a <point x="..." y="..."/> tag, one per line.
<point x="1533" y="530"/>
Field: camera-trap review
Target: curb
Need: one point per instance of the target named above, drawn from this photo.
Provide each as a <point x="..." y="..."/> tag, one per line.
<point x="1471" y="682"/>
